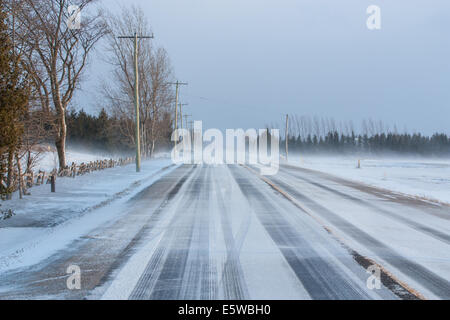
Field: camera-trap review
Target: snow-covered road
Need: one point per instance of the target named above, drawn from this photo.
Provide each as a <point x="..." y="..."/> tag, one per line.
<point x="224" y="232"/>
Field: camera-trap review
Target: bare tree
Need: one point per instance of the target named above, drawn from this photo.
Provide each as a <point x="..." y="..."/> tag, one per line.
<point x="56" y="55"/>
<point x="155" y="74"/>
<point x="36" y="133"/>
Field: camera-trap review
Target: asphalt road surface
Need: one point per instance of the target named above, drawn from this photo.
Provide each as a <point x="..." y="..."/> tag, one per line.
<point x="224" y="232"/>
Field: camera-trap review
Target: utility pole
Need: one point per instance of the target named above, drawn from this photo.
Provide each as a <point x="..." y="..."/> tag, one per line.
<point x="136" y="95"/>
<point x="191" y="129"/>
<point x="287" y="137"/>
<point x="181" y="112"/>
<point x="177" y="84"/>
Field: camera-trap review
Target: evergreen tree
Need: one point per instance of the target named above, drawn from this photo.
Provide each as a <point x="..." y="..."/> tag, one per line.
<point x="14" y="95"/>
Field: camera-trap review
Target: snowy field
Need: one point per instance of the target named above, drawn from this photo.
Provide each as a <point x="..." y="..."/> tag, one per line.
<point x="45" y="221"/>
<point x="421" y="177"/>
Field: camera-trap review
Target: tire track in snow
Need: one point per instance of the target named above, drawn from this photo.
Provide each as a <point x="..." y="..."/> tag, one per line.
<point x="200" y="277"/>
<point x="232" y="279"/>
<point x="321" y="280"/>
<point x="428" y="279"/>
<point x="149" y="280"/>
<point x="139" y="199"/>
<point x="181" y="267"/>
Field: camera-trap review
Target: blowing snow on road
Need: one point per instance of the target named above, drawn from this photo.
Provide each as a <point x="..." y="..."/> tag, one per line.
<point x="225" y="232"/>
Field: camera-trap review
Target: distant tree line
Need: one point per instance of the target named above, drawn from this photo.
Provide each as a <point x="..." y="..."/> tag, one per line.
<point x="324" y="135"/>
<point x="415" y="144"/>
<point x="103" y="133"/>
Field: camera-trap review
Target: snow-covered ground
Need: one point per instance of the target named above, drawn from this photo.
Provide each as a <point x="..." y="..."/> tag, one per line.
<point x="45" y="221"/>
<point x="226" y="229"/>
<point x="425" y="178"/>
<point x="202" y="232"/>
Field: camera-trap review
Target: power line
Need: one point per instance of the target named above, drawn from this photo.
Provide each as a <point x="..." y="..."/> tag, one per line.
<point x="240" y="105"/>
<point x="181" y="112"/>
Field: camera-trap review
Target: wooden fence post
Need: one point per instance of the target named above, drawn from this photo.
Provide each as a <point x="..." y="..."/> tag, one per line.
<point x="53" y="183"/>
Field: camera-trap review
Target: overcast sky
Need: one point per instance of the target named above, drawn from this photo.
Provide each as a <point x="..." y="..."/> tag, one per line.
<point x="249" y="62"/>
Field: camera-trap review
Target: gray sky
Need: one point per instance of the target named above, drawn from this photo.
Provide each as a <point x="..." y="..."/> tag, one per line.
<point x="249" y="62"/>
